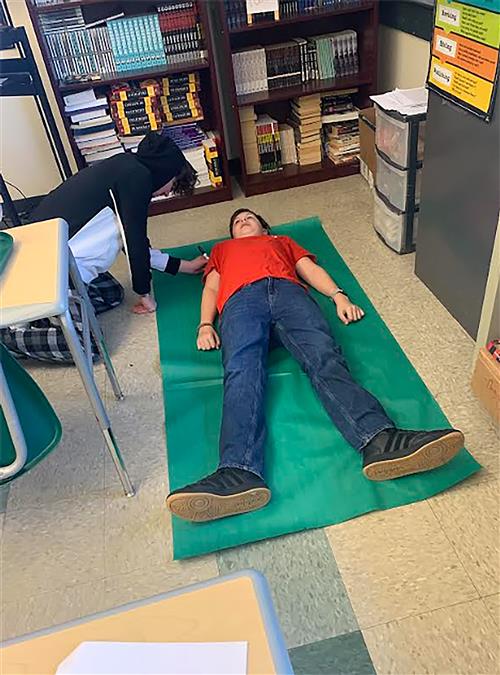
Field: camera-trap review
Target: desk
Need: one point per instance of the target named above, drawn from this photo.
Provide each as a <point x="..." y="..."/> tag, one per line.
<point x="233" y="608"/>
<point x="35" y="285"/>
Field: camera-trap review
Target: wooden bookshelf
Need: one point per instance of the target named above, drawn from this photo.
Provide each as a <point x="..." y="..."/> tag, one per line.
<point x="362" y="17"/>
<point x="209" y="97"/>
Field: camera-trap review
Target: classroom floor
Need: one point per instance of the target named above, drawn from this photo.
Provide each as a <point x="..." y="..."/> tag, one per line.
<point x="410" y="590"/>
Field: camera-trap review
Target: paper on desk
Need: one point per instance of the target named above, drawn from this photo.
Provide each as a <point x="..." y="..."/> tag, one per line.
<point x="404" y="101"/>
<point x="156" y="658"/>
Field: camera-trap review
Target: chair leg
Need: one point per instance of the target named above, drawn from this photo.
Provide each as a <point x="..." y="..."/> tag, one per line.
<point x="94" y="326"/>
<point x="8" y="408"/>
<point x="95" y="400"/>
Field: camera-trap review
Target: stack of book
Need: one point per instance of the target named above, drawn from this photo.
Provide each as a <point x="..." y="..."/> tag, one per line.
<point x="151" y="104"/>
<point x="340" y="127"/>
<point x="305" y="118"/>
<point x="76" y="53"/>
<point x="336" y="54"/>
<point x="180" y="98"/>
<point x="201" y="151"/>
<point x="288" y="147"/>
<point x="181" y="31"/>
<point x="338" y="104"/>
<point x="341" y="141"/>
<point x="284" y="65"/>
<point x="136" y="107"/>
<point x="250" y="70"/>
<point x="136" y="42"/>
<point x="212" y="159"/>
<point x="268" y="144"/>
<point x="249" y="139"/>
<point x="91" y="126"/>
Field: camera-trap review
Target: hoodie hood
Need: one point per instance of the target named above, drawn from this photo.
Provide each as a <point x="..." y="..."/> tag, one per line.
<point x="161" y="156"/>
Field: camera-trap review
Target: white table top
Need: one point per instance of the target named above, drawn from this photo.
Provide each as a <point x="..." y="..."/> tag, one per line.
<point x="34" y="284"/>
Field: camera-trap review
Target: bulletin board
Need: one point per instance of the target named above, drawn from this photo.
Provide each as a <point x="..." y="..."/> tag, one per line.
<point x="464" y="62"/>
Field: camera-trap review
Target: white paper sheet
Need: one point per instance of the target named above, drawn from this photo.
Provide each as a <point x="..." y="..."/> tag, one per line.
<point x="404" y="101"/>
<point x="258" y="6"/>
<point x="156" y="658"/>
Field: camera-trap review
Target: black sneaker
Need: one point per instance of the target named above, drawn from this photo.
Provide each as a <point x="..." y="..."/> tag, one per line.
<point x="227" y="492"/>
<point x="395" y="452"/>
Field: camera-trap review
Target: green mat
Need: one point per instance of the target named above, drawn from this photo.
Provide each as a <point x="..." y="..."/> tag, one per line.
<point x="315" y="476"/>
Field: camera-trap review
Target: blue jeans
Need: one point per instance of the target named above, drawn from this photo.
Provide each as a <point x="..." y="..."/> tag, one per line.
<point x="275" y="309"/>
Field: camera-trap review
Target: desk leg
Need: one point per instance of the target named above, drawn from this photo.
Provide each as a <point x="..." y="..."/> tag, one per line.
<point x="95" y="399"/>
<point x="8" y="408"/>
<point x="94" y="326"/>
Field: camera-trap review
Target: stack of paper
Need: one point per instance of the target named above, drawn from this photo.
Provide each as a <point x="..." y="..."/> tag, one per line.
<point x="404" y="101"/>
<point x="156" y="658"/>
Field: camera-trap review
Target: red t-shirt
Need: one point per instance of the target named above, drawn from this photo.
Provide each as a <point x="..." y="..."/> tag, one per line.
<point x="243" y="261"/>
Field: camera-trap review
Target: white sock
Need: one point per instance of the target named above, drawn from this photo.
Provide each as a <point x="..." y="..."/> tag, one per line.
<point x="158" y="260"/>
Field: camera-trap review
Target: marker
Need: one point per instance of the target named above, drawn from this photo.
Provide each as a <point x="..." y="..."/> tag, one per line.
<point x="203" y="252"/>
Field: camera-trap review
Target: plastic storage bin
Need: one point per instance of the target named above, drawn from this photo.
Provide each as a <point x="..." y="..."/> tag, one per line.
<point x="401" y="187"/>
<point x="400" y="138"/>
<point x="397" y="229"/>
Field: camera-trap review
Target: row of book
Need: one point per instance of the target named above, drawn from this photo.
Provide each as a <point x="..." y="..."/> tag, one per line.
<point x="297" y="61"/>
<point x="87" y="52"/>
<point x="181" y="31"/>
<point x="317" y="126"/>
<point x="99" y="133"/>
<point x="152" y="104"/>
<point x="136" y="42"/>
<point x="237" y="16"/>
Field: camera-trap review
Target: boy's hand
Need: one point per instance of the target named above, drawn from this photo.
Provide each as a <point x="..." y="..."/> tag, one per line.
<point x="207" y="339"/>
<point x="194" y="266"/>
<point x="346" y="311"/>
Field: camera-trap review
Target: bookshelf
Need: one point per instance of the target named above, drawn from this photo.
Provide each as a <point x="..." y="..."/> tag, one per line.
<point x="204" y="67"/>
<point x="361" y="16"/>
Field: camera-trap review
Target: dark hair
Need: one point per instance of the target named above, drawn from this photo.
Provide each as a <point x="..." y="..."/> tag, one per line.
<point x="261" y="220"/>
<point x="185" y="180"/>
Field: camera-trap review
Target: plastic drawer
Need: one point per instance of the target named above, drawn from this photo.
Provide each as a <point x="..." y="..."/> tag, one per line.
<point x="396" y="184"/>
<point x="398" y="230"/>
<point x="393" y="137"/>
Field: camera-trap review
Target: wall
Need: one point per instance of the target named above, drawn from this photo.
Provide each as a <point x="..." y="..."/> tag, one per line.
<point x="402" y="60"/>
<point x="25" y="156"/>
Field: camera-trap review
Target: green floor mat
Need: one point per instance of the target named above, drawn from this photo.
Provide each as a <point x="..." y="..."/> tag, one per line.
<point x="315" y="476"/>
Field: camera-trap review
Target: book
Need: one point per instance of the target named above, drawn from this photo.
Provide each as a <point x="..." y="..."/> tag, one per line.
<point x="268" y="143"/>
<point x="340" y="133"/>
<point x="287" y="142"/>
<point x="182" y="32"/>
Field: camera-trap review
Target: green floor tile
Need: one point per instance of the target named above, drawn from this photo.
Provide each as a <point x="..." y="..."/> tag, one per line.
<point x="341" y="655"/>
<point x="308" y="592"/>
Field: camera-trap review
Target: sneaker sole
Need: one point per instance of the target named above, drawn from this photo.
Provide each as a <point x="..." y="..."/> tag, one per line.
<point x="203" y="506"/>
<point x="428" y="457"/>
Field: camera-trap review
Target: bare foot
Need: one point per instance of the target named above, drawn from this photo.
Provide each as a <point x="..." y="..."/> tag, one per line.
<point x="146" y="305"/>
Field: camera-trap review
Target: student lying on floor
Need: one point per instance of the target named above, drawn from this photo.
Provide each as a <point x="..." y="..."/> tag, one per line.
<point x="255" y="282"/>
<point x="85" y="201"/>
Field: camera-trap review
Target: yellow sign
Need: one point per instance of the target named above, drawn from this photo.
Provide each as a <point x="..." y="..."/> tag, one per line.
<point x="465" y="86"/>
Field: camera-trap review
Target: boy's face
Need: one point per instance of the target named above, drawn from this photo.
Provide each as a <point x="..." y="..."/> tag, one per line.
<point x="246" y="225"/>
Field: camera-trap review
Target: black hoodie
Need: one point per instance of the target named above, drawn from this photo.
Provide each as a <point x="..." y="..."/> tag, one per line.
<point x="132" y="179"/>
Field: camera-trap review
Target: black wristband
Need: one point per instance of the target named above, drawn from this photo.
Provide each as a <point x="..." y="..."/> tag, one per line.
<point x="173" y="264"/>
